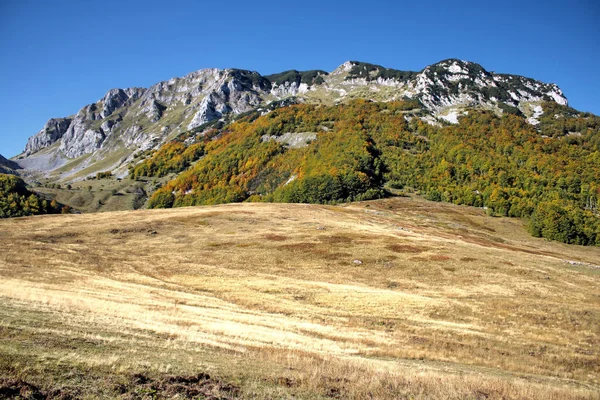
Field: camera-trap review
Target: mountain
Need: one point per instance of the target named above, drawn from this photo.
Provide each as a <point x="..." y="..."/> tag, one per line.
<point x="452" y="132"/>
<point x="7" y="166"/>
<point x="108" y="134"/>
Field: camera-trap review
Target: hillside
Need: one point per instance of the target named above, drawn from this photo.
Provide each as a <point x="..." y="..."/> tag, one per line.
<point x="107" y="134"/>
<point x="394" y="298"/>
<point x="7" y="166"/>
<point x="358" y="151"/>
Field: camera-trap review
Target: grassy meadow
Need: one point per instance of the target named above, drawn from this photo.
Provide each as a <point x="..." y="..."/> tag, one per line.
<point x="395" y="298"/>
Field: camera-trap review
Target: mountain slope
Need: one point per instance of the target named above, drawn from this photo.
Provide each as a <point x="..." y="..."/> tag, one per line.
<point x="107" y="134"/>
<point x="350" y="152"/>
<point x="7" y="166"/>
<point x="453" y="132"/>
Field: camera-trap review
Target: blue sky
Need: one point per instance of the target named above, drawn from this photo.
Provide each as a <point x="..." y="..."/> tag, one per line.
<point x="57" y="56"/>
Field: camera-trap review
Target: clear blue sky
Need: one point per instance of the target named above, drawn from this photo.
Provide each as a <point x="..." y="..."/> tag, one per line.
<point x="57" y="56"/>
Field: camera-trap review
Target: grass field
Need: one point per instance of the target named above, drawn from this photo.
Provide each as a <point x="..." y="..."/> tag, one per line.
<point x="101" y="195"/>
<point x="397" y="298"/>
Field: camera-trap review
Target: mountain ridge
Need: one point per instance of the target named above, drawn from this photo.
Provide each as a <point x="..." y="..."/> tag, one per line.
<point x="126" y="121"/>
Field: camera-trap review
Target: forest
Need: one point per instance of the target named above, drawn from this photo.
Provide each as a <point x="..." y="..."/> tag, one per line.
<point x="546" y="174"/>
<point x="17" y="201"/>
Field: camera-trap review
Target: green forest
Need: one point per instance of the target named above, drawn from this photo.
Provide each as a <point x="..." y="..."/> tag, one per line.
<point x="17" y="201"/>
<point x="546" y="174"/>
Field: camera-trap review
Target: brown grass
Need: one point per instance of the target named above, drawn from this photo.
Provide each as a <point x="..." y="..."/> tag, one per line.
<point x="405" y="248"/>
<point x="269" y="297"/>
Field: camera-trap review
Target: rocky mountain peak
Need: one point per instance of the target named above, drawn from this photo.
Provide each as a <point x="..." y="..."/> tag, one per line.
<point x="345" y="67"/>
<point x="52" y="131"/>
<point x="244" y="79"/>
<point x="455" y="82"/>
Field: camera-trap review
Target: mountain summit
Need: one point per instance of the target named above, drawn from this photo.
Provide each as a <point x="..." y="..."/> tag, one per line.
<point x="109" y="132"/>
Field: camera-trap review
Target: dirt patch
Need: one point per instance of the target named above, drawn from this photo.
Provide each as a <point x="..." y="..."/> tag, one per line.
<point x="275" y="238"/>
<point x="298" y="246"/>
<point x="336" y="239"/>
<point x="140" y="386"/>
<point x="116" y="231"/>
<point x="12" y="389"/>
<point x="406" y="248"/>
<point x="221" y="244"/>
<point x="200" y="386"/>
<point x="20" y="389"/>
<point x="468" y="259"/>
<point x="439" y="257"/>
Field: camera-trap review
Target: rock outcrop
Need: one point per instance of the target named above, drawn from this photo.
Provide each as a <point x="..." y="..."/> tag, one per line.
<point x="54" y="130"/>
<point x="455" y="82"/>
<point x="117" y="98"/>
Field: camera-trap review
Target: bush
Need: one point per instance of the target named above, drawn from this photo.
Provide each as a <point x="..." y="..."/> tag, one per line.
<point x="104" y="175"/>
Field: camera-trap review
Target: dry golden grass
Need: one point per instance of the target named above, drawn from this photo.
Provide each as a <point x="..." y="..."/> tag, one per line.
<point x="447" y="302"/>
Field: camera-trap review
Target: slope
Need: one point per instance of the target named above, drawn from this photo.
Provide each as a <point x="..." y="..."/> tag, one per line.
<point x="320" y="154"/>
<point x="7" y="166"/>
<point x="397" y="298"/>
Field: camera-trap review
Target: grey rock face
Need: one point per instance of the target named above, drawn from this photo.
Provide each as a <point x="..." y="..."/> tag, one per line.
<point x="117" y="98"/>
<point x="448" y="83"/>
<point x="289" y="89"/>
<point x="455" y="82"/>
<point x="80" y="139"/>
<point x="136" y="138"/>
<point x="54" y="129"/>
<point x="206" y="112"/>
<point x="293" y="140"/>
<point x="236" y="93"/>
<point x="154" y="111"/>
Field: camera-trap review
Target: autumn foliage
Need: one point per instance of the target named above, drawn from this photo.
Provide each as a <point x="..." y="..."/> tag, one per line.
<point x="17" y="201"/>
<point x="501" y="163"/>
<point x="172" y="157"/>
